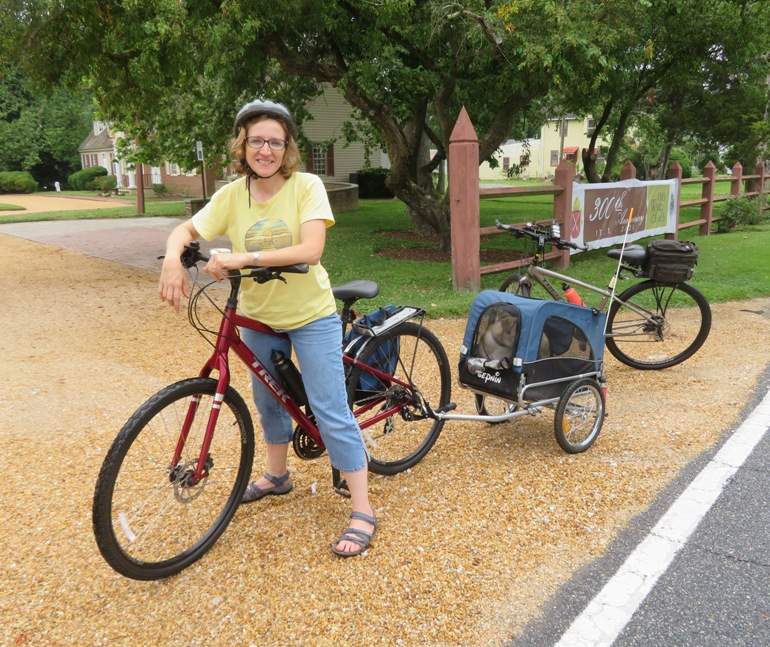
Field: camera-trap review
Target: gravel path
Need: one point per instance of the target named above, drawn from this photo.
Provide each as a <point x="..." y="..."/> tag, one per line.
<point x="471" y="542"/>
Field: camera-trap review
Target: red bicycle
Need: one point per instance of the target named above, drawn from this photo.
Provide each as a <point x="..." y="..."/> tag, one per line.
<point x="174" y="476"/>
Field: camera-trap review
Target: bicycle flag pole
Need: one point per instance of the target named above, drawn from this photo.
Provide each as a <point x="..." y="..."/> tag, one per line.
<point x="614" y="281"/>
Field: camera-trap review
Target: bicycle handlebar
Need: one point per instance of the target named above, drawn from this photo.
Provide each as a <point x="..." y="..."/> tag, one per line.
<point x="541" y="235"/>
<point x="192" y="255"/>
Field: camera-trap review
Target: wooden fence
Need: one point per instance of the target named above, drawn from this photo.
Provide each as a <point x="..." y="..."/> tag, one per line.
<point x="465" y="195"/>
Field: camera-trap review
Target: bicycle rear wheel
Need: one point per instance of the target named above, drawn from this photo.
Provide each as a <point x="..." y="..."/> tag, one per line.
<point x="150" y="520"/>
<point x="676" y="325"/>
<point x="400" y="440"/>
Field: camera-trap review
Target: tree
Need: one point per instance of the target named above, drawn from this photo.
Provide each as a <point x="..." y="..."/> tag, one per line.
<point x="408" y="67"/>
<point x="678" y="63"/>
<point x="39" y="133"/>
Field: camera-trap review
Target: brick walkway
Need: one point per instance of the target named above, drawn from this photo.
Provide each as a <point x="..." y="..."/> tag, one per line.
<point x="133" y="241"/>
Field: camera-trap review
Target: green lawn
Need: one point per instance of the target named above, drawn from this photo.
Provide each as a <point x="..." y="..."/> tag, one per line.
<point x="154" y="207"/>
<point x="732" y="266"/>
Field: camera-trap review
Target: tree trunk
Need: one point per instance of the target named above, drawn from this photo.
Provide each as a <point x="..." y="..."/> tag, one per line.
<point x="411" y="181"/>
<point x="588" y="154"/>
<point x="429" y="216"/>
<point x="617" y="139"/>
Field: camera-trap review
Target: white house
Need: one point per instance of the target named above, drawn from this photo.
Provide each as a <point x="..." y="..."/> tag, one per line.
<point x="544" y="153"/>
<point x="335" y="162"/>
<point x="326" y="156"/>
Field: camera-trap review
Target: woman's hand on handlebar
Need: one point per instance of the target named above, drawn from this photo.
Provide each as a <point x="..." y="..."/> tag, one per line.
<point x="220" y="263"/>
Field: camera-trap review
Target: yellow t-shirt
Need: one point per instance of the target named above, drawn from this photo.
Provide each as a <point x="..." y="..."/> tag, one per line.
<point x="275" y="224"/>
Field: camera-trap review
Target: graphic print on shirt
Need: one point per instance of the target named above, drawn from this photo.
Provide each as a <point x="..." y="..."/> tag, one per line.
<point x="268" y="234"/>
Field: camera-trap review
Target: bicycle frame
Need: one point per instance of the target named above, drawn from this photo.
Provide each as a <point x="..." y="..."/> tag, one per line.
<point x="541" y="275"/>
<point x="228" y="340"/>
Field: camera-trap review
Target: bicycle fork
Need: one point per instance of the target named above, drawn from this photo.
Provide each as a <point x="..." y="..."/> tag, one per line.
<point x="217" y="362"/>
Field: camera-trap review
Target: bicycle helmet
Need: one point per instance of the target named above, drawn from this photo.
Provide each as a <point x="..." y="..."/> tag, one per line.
<point x="273" y="109"/>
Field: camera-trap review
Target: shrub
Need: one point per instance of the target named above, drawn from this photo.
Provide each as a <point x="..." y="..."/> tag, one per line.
<point x="741" y="210"/>
<point x="160" y="190"/>
<point x="106" y="183"/>
<point x="17" y="182"/>
<point x="371" y="183"/>
<point x="678" y="155"/>
<point x="84" y="180"/>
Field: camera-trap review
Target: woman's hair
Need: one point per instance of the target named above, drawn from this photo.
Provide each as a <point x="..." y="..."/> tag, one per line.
<point x="292" y="160"/>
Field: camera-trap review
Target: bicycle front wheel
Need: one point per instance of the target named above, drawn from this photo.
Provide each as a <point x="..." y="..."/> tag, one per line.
<point x="514" y="285"/>
<point x="388" y="408"/>
<point x="657" y="325"/>
<point x="151" y="518"/>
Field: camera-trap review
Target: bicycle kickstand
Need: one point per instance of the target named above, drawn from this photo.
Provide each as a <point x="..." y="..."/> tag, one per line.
<point x="340" y="484"/>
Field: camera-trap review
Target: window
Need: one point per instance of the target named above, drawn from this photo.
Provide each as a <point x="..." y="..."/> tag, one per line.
<point x="555" y="158"/>
<point x="591" y="125"/>
<point x="320" y="160"/>
<point x="90" y="160"/>
<point x="524" y="160"/>
<point x="506" y="163"/>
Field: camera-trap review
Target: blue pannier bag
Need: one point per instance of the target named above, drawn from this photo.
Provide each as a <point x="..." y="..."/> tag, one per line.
<point x="384" y="360"/>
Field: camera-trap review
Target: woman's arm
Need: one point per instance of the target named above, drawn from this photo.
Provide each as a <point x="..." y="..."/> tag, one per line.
<point x="309" y="250"/>
<point x="173" y="281"/>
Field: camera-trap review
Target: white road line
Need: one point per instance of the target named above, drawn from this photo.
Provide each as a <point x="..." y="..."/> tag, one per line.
<point x="610" y="611"/>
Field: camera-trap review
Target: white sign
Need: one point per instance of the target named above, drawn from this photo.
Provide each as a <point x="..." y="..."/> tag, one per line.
<point x="600" y="212"/>
<point x="199" y="149"/>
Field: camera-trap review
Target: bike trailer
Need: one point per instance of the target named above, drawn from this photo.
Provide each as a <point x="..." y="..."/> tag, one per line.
<point x="522" y="349"/>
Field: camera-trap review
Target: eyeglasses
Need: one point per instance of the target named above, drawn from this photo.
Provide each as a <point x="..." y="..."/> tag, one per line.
<point x="274" y="144"/>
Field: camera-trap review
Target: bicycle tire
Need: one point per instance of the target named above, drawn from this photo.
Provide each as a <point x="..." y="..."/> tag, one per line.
<point x="579" y="415"/>
<point x="402" y="440"/>
<point x="512" y="285"/>
<point x="149" y="524"/>
<point x="683" y="322"/>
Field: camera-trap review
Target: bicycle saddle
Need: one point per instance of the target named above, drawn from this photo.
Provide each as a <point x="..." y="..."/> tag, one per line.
<point x="632" y="254"/>
<point x="358" y="289"/>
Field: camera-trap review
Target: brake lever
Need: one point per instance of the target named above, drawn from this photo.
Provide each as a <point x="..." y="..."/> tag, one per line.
<point x="264" y="277"/>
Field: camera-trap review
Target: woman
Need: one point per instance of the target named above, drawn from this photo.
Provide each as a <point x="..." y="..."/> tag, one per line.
<point x="274" y="215"/>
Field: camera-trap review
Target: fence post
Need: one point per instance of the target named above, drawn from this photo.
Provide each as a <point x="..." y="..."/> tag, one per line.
<point x="758" y="185"/>
<point x="675" y="173"/>
<point x="628" y="172"/>
<point x="707" y="208"/>
<point x="464" y="212"/>
<point x="562" y="204"/>
<point x="736" y="179"/>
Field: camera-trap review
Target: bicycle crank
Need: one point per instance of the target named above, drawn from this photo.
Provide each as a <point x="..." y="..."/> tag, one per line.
<point x="304" y="446"/>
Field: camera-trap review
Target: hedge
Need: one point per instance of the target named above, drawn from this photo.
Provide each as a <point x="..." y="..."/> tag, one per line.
<point x="84" y="180"/>
<point x="371" y="183"/>
<point x="17" y="182"/>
